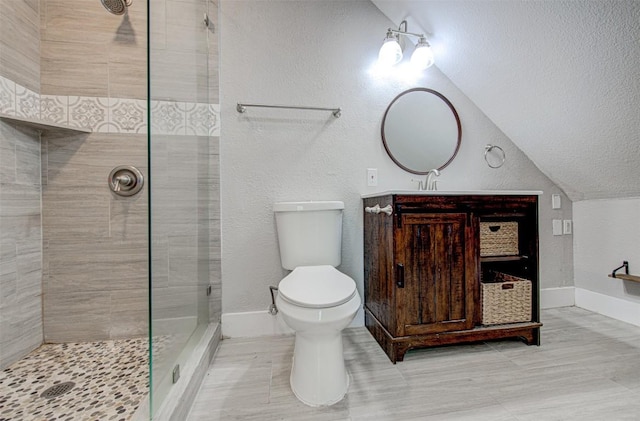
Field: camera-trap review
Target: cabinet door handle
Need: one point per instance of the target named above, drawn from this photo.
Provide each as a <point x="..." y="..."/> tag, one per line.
<point x="400" y="275"/>
<point x="377" y="209"/>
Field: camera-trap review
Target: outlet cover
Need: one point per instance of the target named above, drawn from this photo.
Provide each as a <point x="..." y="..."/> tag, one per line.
<point x="555" y="201"/>
<point x="372" y="177"/>
<point x="567" y="226"/>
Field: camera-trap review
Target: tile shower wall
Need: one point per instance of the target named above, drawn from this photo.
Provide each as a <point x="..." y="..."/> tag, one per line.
<point x="95" y="243"/>
<point x="20" y="42"/>
<point x="20" y="243"/>
<point x="94" y="267"/>
<point x="95" y="274"/>
<point x="20" y="189"/>
<point x="95" y="278"/>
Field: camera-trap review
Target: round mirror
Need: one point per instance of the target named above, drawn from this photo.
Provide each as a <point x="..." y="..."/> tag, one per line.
<point x="421" y="130"/>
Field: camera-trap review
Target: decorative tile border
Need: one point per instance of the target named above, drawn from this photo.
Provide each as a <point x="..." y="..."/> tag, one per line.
<point x="54" y="109"/>
<point x="7" y="96"/>
<point x="27" y="103"/>
<point x="167" y="118"/>
<point x="128" y="115"/>
<point x="214" y="112"/>
<point x="111" y="115"/>
<point x="197" y="118"/>
<point x="89" y="113"/>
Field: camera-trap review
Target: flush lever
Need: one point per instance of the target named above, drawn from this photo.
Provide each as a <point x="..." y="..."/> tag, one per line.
<point x="125" y="180"/>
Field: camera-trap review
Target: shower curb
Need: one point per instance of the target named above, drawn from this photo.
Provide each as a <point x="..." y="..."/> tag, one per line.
<point x="177" y="404"/>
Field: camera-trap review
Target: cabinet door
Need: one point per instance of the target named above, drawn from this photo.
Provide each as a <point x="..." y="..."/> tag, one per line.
<point x="437" y="295"/>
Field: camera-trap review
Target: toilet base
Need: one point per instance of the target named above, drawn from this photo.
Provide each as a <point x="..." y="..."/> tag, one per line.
<point x="318" y="373"/>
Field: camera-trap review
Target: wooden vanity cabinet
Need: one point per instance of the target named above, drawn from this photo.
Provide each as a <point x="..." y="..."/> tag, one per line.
<point x="423" y="268"/>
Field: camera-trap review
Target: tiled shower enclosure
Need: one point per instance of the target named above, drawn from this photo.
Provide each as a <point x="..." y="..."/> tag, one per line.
<point x="81" y="92"/>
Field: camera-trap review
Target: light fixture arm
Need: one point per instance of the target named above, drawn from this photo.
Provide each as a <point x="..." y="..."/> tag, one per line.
<point x="399" y="31"/>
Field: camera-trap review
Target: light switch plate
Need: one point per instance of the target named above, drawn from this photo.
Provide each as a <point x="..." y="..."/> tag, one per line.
<point x="557" y="227"/>
<point x="567" y="226"/>
<point x="556" y="203"/>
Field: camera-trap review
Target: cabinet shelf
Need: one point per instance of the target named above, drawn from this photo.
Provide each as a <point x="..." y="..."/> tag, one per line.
<point x="490" y="259"/>
<point x="41" y="125"/>
<point x="507" y="326"/>
<point x="502" y="216"/>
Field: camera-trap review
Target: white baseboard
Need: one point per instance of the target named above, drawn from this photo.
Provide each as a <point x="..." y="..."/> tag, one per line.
<point x="557" y="297"/>
<point x="616" y="308"/>
<point x="261" y="323"/>
<point x="252" y="323"/>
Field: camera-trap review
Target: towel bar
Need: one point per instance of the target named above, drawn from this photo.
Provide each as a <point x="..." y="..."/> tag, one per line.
<point x="241" y="108"/>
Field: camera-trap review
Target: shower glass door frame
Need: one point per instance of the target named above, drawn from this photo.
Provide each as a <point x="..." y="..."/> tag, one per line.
<point x="182" y="222"/>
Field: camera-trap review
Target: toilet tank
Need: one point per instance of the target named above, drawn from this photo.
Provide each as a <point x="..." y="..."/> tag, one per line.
<point x="309" y="233"/>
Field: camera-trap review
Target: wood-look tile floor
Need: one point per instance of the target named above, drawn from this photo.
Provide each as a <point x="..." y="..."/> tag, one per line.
<point x="587" y="368"/>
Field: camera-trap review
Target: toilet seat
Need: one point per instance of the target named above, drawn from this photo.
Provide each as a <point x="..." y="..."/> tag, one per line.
<point x="317" y="287"/>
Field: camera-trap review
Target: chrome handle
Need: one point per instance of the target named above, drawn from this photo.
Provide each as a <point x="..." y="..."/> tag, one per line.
<point x="377" y="209"/>
<point x="125" y="180"/>
<point x="122" y="180"/>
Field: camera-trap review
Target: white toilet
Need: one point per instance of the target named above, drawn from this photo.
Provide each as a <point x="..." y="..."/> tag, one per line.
<point x="315" y="299"/>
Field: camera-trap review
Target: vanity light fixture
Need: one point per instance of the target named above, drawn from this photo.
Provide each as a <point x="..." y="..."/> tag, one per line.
<point x="391" y="52"/>
<point x="422" y="57"/>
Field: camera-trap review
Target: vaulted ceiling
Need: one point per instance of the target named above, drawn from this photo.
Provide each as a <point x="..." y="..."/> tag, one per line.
<point x="560" y="78"/>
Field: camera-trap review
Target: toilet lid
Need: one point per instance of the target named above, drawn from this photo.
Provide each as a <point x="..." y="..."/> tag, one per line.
<point x="317" y="287"/>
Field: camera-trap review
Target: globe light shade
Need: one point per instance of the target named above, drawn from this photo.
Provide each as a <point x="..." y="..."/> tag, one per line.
<point x="422" y="57"/>
<point x="390" y="52"/>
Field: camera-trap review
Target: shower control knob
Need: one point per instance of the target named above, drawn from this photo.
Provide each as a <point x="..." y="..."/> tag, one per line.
<point x="125" y="180"/>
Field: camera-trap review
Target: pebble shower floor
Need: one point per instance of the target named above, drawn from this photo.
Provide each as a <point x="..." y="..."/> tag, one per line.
<point x="111" y="379"/>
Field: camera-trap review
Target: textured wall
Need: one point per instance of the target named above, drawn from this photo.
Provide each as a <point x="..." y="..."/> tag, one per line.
<point x="20" y="226"/>
<point x="322" y="56"/>
<point x="606" y="233"/>
<point x="560" y="78"/>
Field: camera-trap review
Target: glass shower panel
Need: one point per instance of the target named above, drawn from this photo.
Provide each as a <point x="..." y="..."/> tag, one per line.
<point x="180" y="155"/>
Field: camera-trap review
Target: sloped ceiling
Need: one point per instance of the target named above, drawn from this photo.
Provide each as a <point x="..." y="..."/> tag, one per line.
<point x="560" y="78"/>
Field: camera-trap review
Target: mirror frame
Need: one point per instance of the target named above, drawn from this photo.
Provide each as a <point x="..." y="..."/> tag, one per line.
<point x="455" y="114"/>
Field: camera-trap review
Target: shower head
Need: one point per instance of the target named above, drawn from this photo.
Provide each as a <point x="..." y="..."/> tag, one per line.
<point x="117" y="7"/>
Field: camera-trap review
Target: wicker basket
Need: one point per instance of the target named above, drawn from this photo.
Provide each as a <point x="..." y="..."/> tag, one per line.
<point x="508" y="301"/>
<point x="499" y="238"/>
